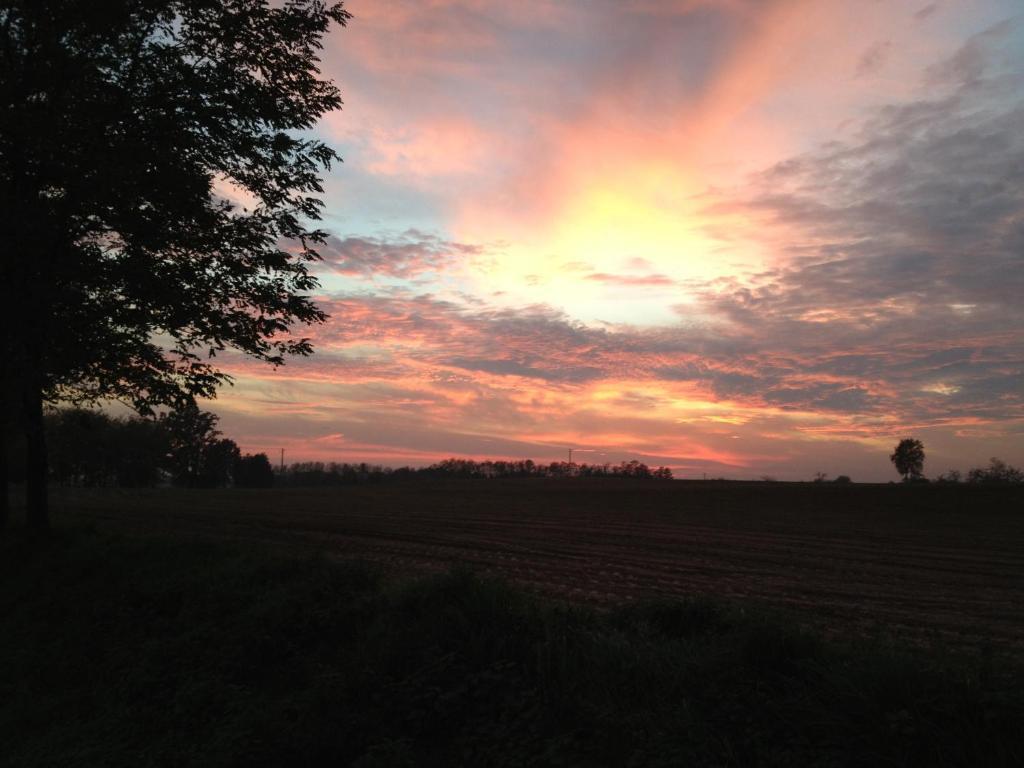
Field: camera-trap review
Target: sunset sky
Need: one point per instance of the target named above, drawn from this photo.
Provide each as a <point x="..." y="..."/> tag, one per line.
<point x="734" y="237"/>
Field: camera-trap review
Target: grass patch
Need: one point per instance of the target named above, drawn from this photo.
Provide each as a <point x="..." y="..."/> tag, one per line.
<point x="172" y="652"/>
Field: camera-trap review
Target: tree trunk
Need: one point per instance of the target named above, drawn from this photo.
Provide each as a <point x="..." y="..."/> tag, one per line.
<point x="37" y="514"/>
<point x="8" y="415"/>
<point x="5" y="502"/>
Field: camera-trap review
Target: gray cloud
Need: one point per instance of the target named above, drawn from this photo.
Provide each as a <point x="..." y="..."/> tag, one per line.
<point x="874" y="58"/>
<point x="516" y="368"/>
<point x="403" y="256"/>
<point x="927" y="11"/>
<point x="974" y="59"/>
<point x="905" y="253"/>
<point x="780" y="365"/>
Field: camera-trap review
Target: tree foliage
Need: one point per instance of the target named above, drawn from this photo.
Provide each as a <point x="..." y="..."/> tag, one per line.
<point x="998" y="472"/>
<point x="129" y="134"/>
<point x="527" y="468"/>
<point x="254" y="471"/>
<point x="316" y="473"/>
<point x="198" y="457"/>
<point x="90" y="448"/>
<point x="908" y="459"/>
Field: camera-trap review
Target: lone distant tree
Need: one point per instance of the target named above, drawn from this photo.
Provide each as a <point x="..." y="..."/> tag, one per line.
<point x="909" y="459"/>
<point x="158" y="185"/>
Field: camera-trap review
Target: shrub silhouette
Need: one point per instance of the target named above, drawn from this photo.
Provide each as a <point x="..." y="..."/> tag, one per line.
<point x="998" y="472"/>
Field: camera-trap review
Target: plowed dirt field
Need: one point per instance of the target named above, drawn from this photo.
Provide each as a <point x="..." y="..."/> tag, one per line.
<point x="923" y="563"/>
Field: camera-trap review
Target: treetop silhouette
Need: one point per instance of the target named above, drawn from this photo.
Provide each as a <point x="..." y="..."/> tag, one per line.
<point x="908" y="459"/>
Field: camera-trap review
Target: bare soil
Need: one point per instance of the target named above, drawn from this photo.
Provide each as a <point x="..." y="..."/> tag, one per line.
<point x="927" y="564"/>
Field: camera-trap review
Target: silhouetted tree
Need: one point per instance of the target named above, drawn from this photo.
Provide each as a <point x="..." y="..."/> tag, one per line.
<point x="634" y="468"/>
<point x="190" y="431"/>
<point x="909" y="459"/>
<point x="220" y="460"/>
<point x="12" y="460"/>
<point x="254" y="471"/>
<point x="142" y="448"/>
<point x="81" y="447"/>
<point x="125" y="127"/>
<point x="5" y="501"/>
<point x="199" y="457"/>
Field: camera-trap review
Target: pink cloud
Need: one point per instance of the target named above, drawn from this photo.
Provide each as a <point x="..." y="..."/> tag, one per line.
<point x="819" y="308"/>
<point x="432" y="148"/>
<point x="630" y="280"/>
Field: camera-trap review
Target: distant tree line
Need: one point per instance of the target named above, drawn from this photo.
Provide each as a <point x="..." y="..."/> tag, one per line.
<point x="528" y="468"/>
<point x="822" y="477"/>
<point x="319" y="473"/>
<point x="90" y="448"/>
<point x="332" y="473"/>
<point x="908" y="458"/>
<point x="998" y="472"/>
<point x="183" y="447"/>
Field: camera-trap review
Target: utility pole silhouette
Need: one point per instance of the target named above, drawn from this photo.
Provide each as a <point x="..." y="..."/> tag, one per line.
<point x="282" y="461"/>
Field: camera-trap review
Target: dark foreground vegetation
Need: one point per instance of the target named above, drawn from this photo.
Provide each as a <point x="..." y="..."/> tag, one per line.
<point x="175" y="652"/>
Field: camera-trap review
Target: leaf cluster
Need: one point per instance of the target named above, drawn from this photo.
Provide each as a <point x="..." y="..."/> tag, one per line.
<point x="160" y="185"/>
